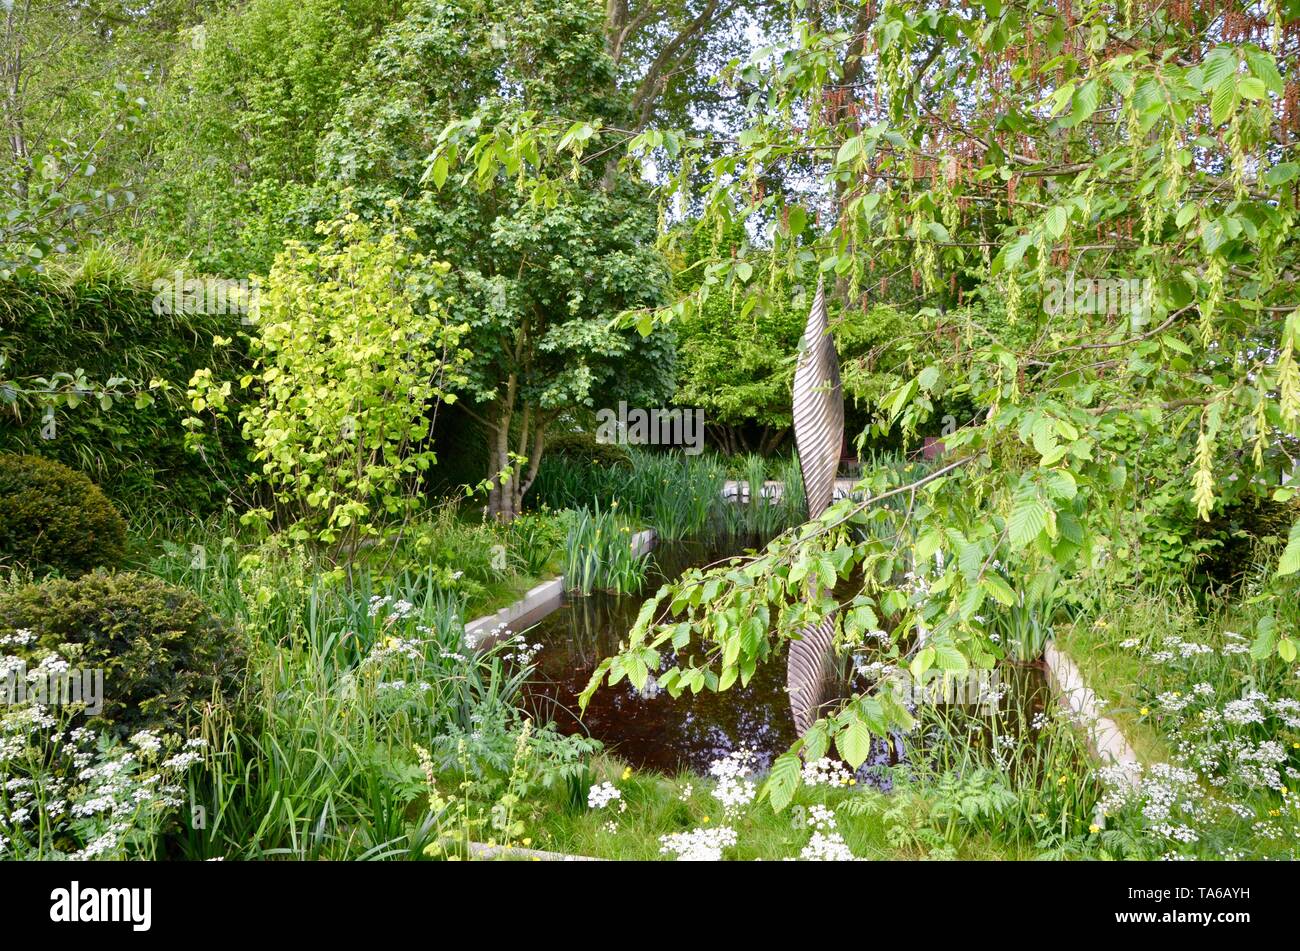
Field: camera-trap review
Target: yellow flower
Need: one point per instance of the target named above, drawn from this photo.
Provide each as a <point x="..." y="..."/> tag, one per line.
<point x="1145" y="711"/>
<point x="527" y="842"/>
<point x="705" y="819"/>
<point x="1094" y="828"/>
<point x="627" y="773"/>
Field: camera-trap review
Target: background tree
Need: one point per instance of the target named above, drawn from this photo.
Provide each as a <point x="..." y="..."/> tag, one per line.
<point x="74" y="81"/>
<point x="239" y="121"/>
<point x="539" y="284"/>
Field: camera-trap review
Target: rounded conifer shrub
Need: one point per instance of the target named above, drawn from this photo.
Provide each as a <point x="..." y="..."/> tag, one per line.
<point x="53" y="517"/>
<point x="161" y="651"/>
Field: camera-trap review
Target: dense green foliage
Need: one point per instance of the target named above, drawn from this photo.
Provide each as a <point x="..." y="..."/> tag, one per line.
<point x="585" y="447"/>
<point x="1057" y="243"/>
<point x="537" y="286"/>
<point x="92" y="370"/>
<point x="164" y="656"/>
<point x="352" y="357"/>
<point x="240" y="122"/>
<point x="52" y="517"/>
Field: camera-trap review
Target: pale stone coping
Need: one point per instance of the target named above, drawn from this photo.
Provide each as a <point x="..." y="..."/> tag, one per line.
<point x="537" y="603"/>
<point x="487" y="853"/>
<point x="1104" y="736"/>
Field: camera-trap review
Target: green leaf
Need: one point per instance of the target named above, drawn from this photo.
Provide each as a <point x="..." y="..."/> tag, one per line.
<point x="922" y="662"/>
<point x="439" y="171"/>
<point x="1224" y="100"/>
<point x="1028" y="519"/>
<point x="854" y="742"/>
<point x="1290" y="562"/>
<point x="1263" y="66"/>
<point x="783" y="780"/>
<point x="1281" y="173"/>
<point x="949" y="658"/>
<point x="1265" y="638"/>
<point x="1253" y="89"/>
<point x="816" y="741"/>
<point x="797" y="219"/>
<point x="1056" y="220"/>
<point x="1085" y="102"/>
<point x="999" y="589"/>
<point x="850" y="150"/>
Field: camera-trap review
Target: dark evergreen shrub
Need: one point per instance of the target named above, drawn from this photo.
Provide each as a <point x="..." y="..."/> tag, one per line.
<point x="52" y="517"/>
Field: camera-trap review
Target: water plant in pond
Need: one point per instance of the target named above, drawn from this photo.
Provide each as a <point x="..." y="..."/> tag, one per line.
<point x="678" y="493"/>
<point x="757" y="509"/>
<point x="1024" y="626"/>
<point x="599" y="554"/>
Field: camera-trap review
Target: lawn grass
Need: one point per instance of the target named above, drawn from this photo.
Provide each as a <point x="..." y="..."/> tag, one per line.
<point x="1113" y="674"/>
<point x="658" y="805"/>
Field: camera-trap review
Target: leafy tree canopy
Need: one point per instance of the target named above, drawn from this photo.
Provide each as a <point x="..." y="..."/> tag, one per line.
<point x="1002" y="156"/>
<point x="538" y="285"/>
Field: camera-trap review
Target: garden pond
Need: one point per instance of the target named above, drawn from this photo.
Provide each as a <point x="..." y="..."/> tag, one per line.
<point x="650" y="729"/>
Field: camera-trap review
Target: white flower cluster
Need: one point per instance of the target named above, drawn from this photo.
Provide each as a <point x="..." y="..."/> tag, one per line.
<point x="826" y="772"/>
<point x="698" y="845"/>
<point x="407" y="648"/>
<point x="1244" y="711"/>
<point x="1169" y="797"/>
<point x="520" y="652"/>
<point x="601" y="795"/>
<point x="733" y="788"/>
<point x="826" y="844"/>
<point x="393" y="611"/>
<point x="21" y="637"/>
<point x="102" y="795"/>
<point x="500" y="632"/>
<point x="1175" y="648"/>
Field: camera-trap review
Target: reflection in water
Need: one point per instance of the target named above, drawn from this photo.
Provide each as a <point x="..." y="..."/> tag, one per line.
<point x="651" y="729"/>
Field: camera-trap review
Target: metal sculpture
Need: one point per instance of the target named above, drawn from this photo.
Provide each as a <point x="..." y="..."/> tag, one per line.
<point x="818" y="438"/>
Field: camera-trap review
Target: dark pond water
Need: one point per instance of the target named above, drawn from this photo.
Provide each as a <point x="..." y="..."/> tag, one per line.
<point x="652" y="730"/>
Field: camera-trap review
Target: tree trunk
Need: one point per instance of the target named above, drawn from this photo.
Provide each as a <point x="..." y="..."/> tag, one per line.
<point x="501" y="496"/>
<point x="506" y="497"/>
<point x="772" y="438"/>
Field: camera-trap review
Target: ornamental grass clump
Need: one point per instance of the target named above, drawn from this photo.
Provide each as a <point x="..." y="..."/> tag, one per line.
<point x="599" y="555"/>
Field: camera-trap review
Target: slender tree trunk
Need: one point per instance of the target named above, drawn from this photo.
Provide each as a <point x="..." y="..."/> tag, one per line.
<point x="506" y="497"/>
<point x="772" y="438"/>
<point x="502" y="495"/>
